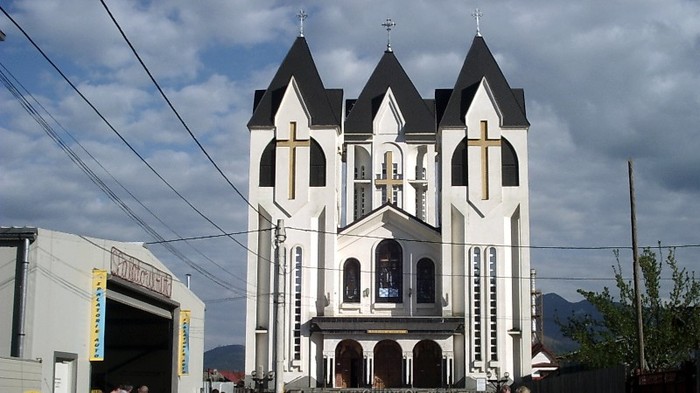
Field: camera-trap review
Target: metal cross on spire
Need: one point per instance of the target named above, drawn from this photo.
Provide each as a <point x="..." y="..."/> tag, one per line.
<point x="389" y="24"/>
<point x="301" y="15"/>
<point x="477" y="14"/>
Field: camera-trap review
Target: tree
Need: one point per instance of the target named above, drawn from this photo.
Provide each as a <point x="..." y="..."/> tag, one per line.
<point x="671" y="324"/>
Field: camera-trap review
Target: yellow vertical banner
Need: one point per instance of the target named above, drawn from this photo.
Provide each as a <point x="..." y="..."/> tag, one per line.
<point x="184" y="347"/>
<point x="97" y="315"/>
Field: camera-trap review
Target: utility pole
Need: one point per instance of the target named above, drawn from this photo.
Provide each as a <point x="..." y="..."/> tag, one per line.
<point x="280" y="274"/>
<point x="635" y="258"/>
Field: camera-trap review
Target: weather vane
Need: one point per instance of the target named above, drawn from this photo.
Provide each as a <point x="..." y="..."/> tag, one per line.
<point x="477" y="14"/>
<point x="389" y="24"/>
<point x="301" y="15"/>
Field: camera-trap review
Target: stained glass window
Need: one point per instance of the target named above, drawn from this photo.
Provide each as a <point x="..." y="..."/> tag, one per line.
<point x="389" y="272"/>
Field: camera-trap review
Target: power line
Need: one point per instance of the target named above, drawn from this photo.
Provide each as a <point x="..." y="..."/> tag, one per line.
<point x="204" y="237"/>
<point x="48" y="129"/>
<point x="114" y="130"/>
<point x="177" y="114"/>
<point x="529" y="246"/>
<point x="86" y="169"/>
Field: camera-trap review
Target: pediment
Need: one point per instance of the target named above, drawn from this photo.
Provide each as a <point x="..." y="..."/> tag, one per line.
<point x="388" y="221"/>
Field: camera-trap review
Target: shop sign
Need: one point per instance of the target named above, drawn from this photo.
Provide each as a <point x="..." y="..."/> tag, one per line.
<point x="141" y="273"/>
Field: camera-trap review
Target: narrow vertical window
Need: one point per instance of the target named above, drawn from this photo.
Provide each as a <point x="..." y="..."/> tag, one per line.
<point x="493" y="310"/>
<point x="426" y="281"/>
<point x="363" y="201"/>
<point x="420" y="203"/>
<point x="476" y="290"/>
<point x="351" y="281"/>
<point x="395" y="196"/>
<point x="356" y="202"/>
<point x="389" y="272"/>
<point x="297" y="302"/>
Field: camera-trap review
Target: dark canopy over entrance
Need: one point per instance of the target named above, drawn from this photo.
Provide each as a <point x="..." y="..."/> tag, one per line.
<point x="387" y="365"/>
<point x="427" y="365"/>
<point x="138" y="349"/>
<point x="348" y="364"/>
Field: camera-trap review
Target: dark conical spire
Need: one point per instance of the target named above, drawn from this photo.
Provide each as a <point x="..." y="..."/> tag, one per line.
<point x="480" y="64"/>
<point x="298" y="64"/>
<point x="389" y="74"/>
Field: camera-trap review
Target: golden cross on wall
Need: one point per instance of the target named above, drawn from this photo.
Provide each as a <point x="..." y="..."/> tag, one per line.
<point x="389" y="182"/>
<point x="292" y="143"/>
<point x="484" y="143"/>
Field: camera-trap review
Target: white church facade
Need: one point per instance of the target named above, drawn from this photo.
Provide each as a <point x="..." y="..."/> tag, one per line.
<point x="407" y="225"/>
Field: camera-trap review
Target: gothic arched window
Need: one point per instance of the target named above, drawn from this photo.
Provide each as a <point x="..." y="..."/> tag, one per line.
<point x="267" y="166"/>
<point x="389" y="272"/>
<point x="317" y="169"/>
<point x="509" y="165"/>
<point x="459" y="164"/>
<point x="426" y="281"/>
<point x="351" y="281"/>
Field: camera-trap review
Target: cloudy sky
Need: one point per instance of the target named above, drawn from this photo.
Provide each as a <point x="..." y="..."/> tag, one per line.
<point x="605" y="81"/>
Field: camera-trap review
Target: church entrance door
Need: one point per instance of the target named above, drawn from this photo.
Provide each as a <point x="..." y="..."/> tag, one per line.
<point x="387" y="365"/>
<point x="348" y="364"/>
<point x="427" y="365"/>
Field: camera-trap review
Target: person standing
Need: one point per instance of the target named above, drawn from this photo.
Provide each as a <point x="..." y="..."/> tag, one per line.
<point x="522" y="389"/>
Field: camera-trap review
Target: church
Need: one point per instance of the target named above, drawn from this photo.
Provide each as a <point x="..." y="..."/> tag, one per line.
<point x="389" y="233"/>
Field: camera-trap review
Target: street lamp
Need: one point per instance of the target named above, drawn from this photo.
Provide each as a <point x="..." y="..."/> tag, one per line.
<point x="262" y="380"/>
<point x="498" y="383"/>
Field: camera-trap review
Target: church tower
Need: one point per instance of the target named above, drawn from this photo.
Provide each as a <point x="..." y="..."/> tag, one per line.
<point x="484" y="209"/>
<point x="293" y="176"/>
<point x="405" y="262"/>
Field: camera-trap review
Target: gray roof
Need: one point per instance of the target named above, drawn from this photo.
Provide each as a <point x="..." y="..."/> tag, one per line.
<point x="479" y="64"/>
<point x="418" y="114"/>
<point x="324" y="105"/>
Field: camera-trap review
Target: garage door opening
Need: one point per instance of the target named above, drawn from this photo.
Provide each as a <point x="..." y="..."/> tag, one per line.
<point x="138" y="349"/>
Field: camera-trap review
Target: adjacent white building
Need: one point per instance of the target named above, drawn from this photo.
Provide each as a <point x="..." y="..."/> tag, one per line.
<point x="407" y="226"/>
<point x="96" y="313"/>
